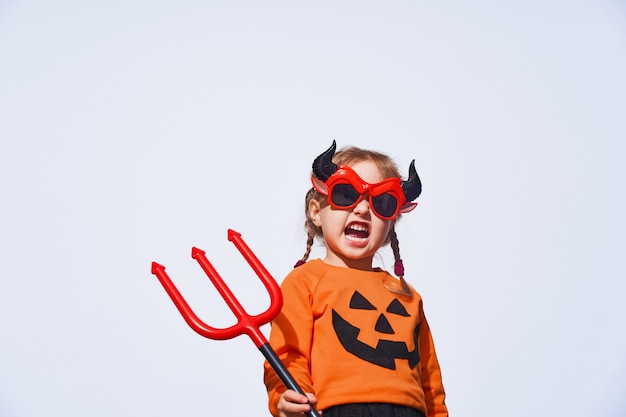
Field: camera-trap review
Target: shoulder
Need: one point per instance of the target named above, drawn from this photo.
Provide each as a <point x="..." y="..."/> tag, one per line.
<point x="308" y="274"/>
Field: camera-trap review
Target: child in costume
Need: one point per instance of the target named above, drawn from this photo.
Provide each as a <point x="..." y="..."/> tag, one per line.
<point x="354" y="337"/>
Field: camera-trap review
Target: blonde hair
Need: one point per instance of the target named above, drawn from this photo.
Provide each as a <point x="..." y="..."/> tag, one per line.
<point x="348" y="156"/>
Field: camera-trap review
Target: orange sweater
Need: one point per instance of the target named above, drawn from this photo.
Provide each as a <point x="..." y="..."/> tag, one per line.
<point x="348" y="339"/>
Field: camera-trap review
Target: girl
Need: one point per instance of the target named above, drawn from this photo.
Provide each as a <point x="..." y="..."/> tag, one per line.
<point x="354" y="337"/>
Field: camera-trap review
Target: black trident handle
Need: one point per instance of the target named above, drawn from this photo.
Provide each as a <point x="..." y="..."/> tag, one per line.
<point x="284" y="375"/>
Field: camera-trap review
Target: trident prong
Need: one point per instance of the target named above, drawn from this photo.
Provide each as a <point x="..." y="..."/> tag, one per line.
<point x="246" y="323"/>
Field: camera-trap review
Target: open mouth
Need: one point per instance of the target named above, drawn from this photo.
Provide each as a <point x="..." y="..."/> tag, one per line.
<point x="357" y="233"/>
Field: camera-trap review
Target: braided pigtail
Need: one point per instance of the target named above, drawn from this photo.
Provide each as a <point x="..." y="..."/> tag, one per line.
<point x="309" y="244"/>
<point x="403" y="288"/>
<point x="311" y="228"/>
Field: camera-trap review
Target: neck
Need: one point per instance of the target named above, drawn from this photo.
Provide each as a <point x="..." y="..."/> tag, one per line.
<point x="363" y="264"/>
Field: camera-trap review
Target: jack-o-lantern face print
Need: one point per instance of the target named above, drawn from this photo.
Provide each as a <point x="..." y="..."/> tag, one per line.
<point x="386" y="351"/>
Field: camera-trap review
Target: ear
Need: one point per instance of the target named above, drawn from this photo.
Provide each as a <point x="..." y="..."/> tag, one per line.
<point x="314" y="212"/>
<point x="320" y="186"/>
<point x="407" y="207"/>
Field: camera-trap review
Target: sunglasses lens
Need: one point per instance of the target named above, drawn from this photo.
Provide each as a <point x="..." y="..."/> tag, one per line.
<point x="385" y="204"/>
<point x="344" y="195"/>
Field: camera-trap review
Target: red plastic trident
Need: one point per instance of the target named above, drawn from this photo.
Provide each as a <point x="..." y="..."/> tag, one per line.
<point x="246" y="323"/>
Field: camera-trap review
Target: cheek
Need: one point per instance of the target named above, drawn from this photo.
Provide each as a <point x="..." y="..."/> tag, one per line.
<point x="380" y="230"/>
<point x="333" y="220"/>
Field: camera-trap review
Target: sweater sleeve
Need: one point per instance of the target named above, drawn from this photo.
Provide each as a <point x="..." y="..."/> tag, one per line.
<point x="434" y="394"/>
<point x="291" y="337"/>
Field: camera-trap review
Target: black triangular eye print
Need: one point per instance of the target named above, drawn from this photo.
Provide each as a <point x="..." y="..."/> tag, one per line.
<point x="396" y="307"/>
<point x="359" y="302"/>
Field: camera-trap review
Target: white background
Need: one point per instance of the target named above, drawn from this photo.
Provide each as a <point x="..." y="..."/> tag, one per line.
<point x="131" y="131"/>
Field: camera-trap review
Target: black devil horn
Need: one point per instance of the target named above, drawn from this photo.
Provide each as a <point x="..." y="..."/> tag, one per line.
<point x="413" y="186"/>
<point x="323" y="166"/>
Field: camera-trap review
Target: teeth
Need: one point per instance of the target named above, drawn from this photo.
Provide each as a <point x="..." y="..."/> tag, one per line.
<point x="358" y="228"/>
<point x="357" y="234"/>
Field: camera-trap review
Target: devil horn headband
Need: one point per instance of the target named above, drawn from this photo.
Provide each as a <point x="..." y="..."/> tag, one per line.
<point x="412" y="187"/>
<point x="323" y="168"/>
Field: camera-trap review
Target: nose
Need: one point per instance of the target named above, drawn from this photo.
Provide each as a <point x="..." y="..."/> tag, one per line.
<point x="363" y="207"/>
